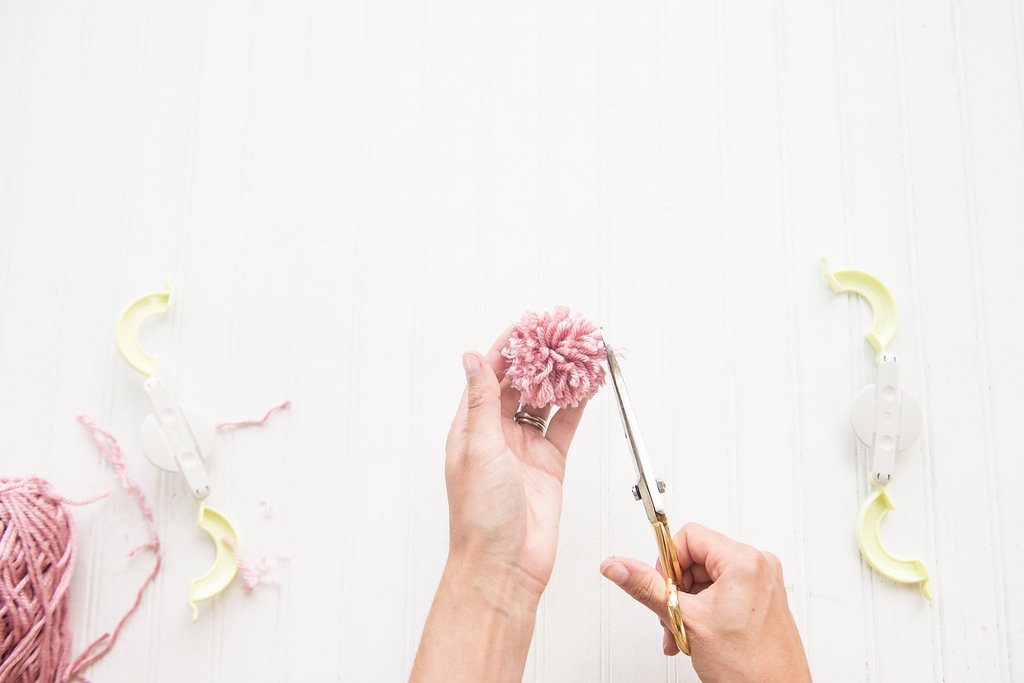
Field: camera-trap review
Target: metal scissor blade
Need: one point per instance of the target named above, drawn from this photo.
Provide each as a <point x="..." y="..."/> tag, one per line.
<point x="646" y="481"/>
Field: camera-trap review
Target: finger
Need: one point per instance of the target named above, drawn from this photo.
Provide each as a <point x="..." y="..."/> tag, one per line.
<point x="543" y="413"/>
<point x="640" y="581"/>
<point x="510" y="398"/>
<point x="563" y="426"/>
<point x="702" y="546"/>
<point x="699" y="573"/>
<point x="668" y="642"/>
<point x="687" y="575"/>
<point x="695" y="573"/>
<point x="483" y="407"/>
<point x="459" y="419"/>
<point x="457" y="430"/>
<point x="494" y="357"/>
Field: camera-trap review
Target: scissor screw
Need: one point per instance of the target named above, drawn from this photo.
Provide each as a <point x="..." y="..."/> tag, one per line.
<point x="636" y="492"/>
<point x="661" y="485"/>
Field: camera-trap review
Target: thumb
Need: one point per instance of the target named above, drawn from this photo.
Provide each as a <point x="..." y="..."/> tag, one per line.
<point x="645" y="585"/>
<point x="641" y="581"/>
<point x="483" y="398"/>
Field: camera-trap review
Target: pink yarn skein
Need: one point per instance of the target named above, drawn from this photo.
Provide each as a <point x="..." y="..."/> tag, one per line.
<point x="555" y="358"/>
<point x="38" y="541"/>
<point x="37" y="557"/>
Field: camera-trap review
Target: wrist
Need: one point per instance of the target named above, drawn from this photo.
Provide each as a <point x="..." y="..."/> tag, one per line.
<point x="480" y="625"/>
<point x="492" y="585"/>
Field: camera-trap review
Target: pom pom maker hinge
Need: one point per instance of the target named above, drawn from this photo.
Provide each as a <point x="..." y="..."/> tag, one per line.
<point x="885" y="418"/>
<point x="176" y="437"/>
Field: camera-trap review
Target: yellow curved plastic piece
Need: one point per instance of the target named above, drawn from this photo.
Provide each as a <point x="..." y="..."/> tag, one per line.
<point x="127" y="330"/>
<point x="219" y="576"/>
<point x="869" y="521"/>
<point x="883" y="305"/>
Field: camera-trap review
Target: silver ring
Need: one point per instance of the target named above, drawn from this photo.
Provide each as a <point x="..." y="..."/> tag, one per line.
<point x="524" y="417"/>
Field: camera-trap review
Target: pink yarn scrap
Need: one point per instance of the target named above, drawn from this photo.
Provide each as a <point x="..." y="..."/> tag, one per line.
<point x="225" y="426"/>
<point x="111" y="452"/>
<point x="252" y="577"/>
<point x="555" y="358"/>
<point x="37" y="557"/>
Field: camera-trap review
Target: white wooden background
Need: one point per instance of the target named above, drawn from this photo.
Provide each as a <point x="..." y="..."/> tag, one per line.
<point x="347" y="195"/>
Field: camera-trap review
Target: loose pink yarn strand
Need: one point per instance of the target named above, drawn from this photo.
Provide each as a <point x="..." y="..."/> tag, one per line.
<point x="252" y="577"/>
<point x="225" y="426"/>
<point x="111" y="451"/>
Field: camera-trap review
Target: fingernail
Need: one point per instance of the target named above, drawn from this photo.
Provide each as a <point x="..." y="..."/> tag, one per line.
<point x="470" y="364"/>
<point x="615" y="572"/>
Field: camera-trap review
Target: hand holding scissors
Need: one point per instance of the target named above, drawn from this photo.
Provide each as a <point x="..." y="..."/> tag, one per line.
<point x="720" y="601"/>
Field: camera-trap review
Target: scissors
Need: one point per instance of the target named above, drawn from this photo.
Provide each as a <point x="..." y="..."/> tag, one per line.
<point x="648" y="490"/>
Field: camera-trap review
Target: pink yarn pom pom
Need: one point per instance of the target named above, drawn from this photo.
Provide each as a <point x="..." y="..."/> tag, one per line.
<point x="555" y="358"/>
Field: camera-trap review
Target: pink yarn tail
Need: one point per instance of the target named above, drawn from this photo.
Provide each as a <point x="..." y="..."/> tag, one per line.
<point x="111" y="451"/>
<point x="225" y="426"/>
<point x="251" y="577"/>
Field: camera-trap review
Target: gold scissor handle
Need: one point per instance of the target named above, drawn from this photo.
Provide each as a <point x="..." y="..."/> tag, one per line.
<point x="673" y="581"/>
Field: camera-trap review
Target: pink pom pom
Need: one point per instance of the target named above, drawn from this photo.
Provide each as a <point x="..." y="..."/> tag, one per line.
<point x="555" y="358"/>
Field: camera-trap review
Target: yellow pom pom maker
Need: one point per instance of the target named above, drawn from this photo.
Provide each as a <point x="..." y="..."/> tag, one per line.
<point x="176" y="437"/>
<point x="127" y="330"/>
<point x="886" y="418"/>
<point x="869" y="523"/>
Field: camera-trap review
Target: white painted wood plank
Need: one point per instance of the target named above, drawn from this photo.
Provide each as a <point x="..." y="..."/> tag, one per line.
<point x="828" y="339"/>
<point x="994" y="126"/>
<point x="966" y="524"/>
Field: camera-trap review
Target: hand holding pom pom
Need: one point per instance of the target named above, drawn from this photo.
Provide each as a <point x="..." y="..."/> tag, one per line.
<point x="504" y="482"/>
<point x="555" y="358"/>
